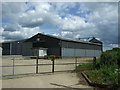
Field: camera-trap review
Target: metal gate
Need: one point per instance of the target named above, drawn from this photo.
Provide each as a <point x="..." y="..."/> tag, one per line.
<point x="17" y="65"/>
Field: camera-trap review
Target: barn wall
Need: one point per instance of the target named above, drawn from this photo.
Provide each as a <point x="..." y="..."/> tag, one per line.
<point x="6" y="48"/>
<point x="52" y="44"/>
<point x="80" y="45"/>
<point x="54" y="51"/>
<point x="27" y="49"/>
<point x="45" y="41"/>
<point x="71" y="49"/>
<point x="71" y="52"/>
<point x="15" y="47"/>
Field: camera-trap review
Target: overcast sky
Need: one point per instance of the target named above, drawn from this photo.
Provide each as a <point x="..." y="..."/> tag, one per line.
<point x="70" y="20"/>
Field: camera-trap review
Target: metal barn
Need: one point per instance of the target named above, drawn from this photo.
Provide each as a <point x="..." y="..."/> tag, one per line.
<point x="41" y="44"/>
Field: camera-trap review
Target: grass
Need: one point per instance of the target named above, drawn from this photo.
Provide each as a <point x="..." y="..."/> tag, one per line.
<point x="87" y="60"/>
<point x="85" y="66"/>
<point x="88" y="65"/>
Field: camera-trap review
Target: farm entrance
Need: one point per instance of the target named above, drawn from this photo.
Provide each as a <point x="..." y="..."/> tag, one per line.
<point x="17" y="65"/>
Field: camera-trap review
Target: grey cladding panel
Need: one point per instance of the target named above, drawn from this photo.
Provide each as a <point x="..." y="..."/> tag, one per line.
<point x="27" y="49"/>
<point x="80" y="45"/>
<point x="71" y="52"/>
<point x="53" y="51"/>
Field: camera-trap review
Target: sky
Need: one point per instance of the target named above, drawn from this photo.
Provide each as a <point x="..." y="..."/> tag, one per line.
<point x="73" y="20"/>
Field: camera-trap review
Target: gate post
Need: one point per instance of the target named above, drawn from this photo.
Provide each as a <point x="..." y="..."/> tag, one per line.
<point x="75" y="62"/>
<point x="53" y="64"/>
<point x="37" y="65"/>
<point x="13" y="65"/>
<point x="94" y="61"/>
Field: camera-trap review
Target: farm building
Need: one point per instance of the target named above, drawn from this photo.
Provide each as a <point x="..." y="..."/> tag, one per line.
<point x="41" y="44"/>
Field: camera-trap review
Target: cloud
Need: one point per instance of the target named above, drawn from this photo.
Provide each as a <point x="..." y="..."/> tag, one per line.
<point x="105" y="18"/>
<point x="42" y="14"/>
<point x="11" y="10"/>
<point x="21" y="34"/>
<point x="1" y="31"/>
<point x="63" y="7"/>
<point x="30" y="19"/>
<point x="22" y="20"/>
<point x="12" y="27"/>
<point x="75" y="23"/>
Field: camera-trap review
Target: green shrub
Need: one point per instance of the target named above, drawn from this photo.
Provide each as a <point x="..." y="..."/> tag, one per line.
<point x="118" y="58"/>
<point x="110" y="57"/>
<point x="110" y="74"/>
<point x="104" y="75"/>
<point x="116" y="49"/>
<point x="106" y="68"/>
<point x="97" y="64"/>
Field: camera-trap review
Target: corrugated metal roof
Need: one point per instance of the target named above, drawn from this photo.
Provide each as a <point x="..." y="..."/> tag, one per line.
<point x="63" y="39"/>
<point x="94" y="40"/>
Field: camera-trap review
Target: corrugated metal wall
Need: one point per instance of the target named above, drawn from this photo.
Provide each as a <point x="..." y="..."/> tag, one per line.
<point x="71" y="49"/>
<point x="71" y="52"/>
<point x="13" y="48"/>
<point x="6" y="48"/>
<point x="27" y="49"/>
<point x="53" y="51"/>
<point x="16" y="47"/>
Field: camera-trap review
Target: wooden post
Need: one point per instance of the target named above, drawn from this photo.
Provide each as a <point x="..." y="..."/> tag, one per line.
<point x="37" y="65"/>
<point x="75" y="62"/>
<point x="13" y="65"/>
<point x="53" y="64"/>
<point x="94" y="61"/>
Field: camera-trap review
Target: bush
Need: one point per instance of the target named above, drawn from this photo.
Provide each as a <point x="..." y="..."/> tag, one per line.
<point x="104" y="75"/>
<point x="96" y="64"/>
<point x="110" y="57"/>
<point x="106" y="68"/>
<point x="118" y="58"/>
<point x="110" y="74"/>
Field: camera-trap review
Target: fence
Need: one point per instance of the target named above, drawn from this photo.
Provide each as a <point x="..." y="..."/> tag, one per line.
<point x="16" y="65"/>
